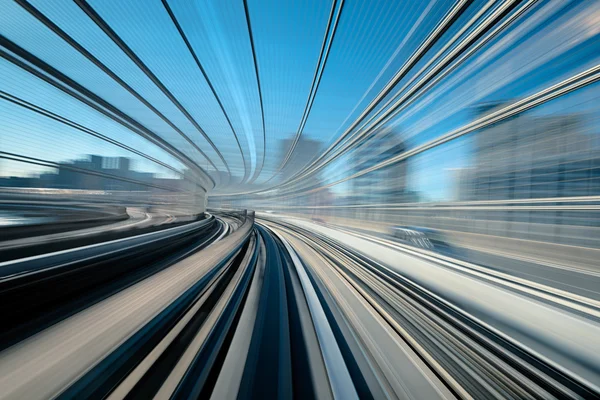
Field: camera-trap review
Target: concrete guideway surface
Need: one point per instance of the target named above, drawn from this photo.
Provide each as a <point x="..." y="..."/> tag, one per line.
<point x="545" y="330"/>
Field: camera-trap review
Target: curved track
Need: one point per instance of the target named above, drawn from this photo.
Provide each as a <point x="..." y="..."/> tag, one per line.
<point x="230" y="308"/>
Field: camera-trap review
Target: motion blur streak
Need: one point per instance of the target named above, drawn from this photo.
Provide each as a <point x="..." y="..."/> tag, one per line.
<point x="332" y="199"/>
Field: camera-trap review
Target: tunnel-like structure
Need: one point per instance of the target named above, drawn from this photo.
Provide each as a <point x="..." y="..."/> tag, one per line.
<point x="475" y="117"/>
<point x="333" y="199"/>
<point x="275" y="104"/>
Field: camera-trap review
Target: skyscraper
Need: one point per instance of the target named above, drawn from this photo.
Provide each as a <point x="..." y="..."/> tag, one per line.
<point x="532" y="157"/>
<point x="384" y="185"/>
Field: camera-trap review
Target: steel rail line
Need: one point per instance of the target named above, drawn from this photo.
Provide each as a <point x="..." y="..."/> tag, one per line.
<point x="105" y="27"/>
<point x="472" y="38"/>
<point x="130" y="318"/>
<point x="68" y="221"/>
<point x="577" y="366"/>
<point x="466" y="208"/>
<point x="445" y="24"/>
<point x="88" y="55"/>
<point x="43" y="287"/>
<point x="51" y="75"/>
<point x="101" y="380"/>
<point x="387" y="367"/>
<point x="189" y="377"/>
<point x="16" y="269"/>
<point x="336" y="259"/>
<point x="473" y="203"/>
<point x="40" y="240"/>
<point x="431" y="39"/>
<point x="205" y="75"/>
<point x="228" y="383"/>
<point x="418" y="89"/>
<point x="480" y="362"/>
<point x="590" y="308"/>
<point x="155" y="364"/>
<point x="339" y="376"/>
<point x="256" y="297"/>
<point x="320" y="67"/>
<point x="260" y="97"/>
<point x="59" y="118"/>
<point x="273" y="309"/>
<point x="568" y="85"/>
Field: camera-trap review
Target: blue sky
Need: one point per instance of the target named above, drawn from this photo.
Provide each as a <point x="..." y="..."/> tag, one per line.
<point x="372" y="41"/>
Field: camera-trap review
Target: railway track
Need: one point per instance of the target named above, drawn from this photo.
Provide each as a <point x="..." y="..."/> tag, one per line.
<point x="38" y="291"/>
<point x="470" y="359"/>
<point x="255" y="310"/>
<point x="230" y="320"/>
